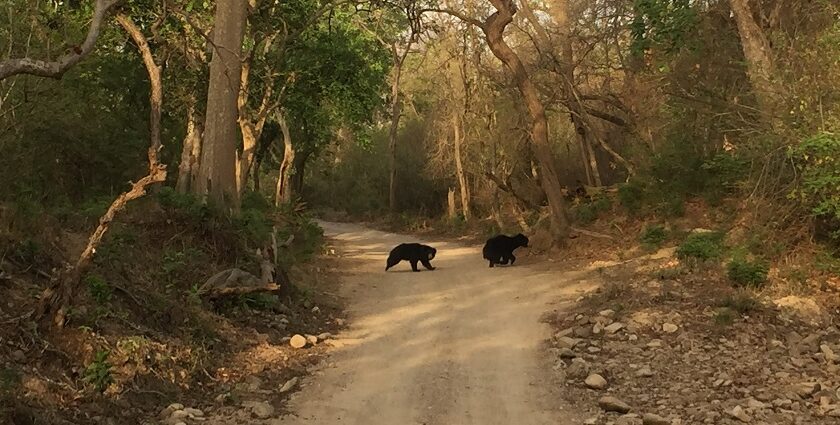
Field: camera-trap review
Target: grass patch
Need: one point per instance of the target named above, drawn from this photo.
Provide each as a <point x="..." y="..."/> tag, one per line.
<point x="701" y="246"/>
<point x="741" y="302"/>
<point x="653" y="237"/>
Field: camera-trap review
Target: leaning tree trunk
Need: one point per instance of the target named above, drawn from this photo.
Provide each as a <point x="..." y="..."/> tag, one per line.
<point x="283" y="193"/>
<point x="191" y="150"/>
<point x="56" y="300"/>
<point x="396" y="113"/>
<point x="757" y="53"/>
<point x="217" y="171"/>
<point x="494" y="29"/>
<point x="459" y="168"/>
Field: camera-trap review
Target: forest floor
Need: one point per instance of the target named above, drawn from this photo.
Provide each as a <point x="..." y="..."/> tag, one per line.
<point x="463" y="344"/>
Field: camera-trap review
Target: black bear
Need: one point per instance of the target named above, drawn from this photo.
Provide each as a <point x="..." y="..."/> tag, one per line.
<point x="499" y="249"/>
<point x="411" y="252"/>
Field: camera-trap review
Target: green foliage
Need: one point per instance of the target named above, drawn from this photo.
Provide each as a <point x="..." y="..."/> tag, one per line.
<point x="818" y="159"/>
<point x="631" y="195"/>
<point x="662" y="23"/>
<point x="259" y="301"/>
<point x="743" y="272"/>
<point x="654" y="236"/>
<point x="98" y="372"/>
<point x="187" y="204"/>
<point x="701" y="246"/>
<point x="99" y="289"/>
<point x="590" y="211"/>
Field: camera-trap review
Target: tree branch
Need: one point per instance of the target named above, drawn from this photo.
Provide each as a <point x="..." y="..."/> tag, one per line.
<point x="454" y="13"/>
<point x="57" y="68"/>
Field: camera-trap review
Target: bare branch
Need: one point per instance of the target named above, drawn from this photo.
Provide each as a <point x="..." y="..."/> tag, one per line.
<point x="57" y="68"/>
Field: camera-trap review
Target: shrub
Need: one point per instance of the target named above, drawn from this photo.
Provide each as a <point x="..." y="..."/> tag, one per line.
<point x="630" y="195"/>
<point x="99" y="289"/>
<point x="702" y="246"/>
<point x="654" y="236"/>
<point x="741" y="302"/>
<point x="818" y="159"/>
<point x="743" y="272"/>
<point x="98" y="372"/>
<point x="590" y="211"/>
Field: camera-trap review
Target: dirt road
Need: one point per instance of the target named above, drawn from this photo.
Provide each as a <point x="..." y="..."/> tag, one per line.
<point x="459" y="345"/>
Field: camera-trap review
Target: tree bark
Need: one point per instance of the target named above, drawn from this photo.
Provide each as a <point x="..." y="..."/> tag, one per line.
<point x="396" y="113"/>
<point x="56" y="69"/>
<point x="217" y="178"/>
<point x="459" y="167"/>
<point x="450" y="203"/>
<point x="494" y="29"/>
<point x="251" y="129"/>
<point x="56" y="299"/>
<point x="191" y="150"/>
<point x="283" y="193"/>
<point x="757" y="53"/>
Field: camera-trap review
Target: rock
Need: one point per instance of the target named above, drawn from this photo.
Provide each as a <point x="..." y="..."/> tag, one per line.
<point x="324" y="336"/>
<point x="613" y="328"/>
<point x="578" y="369"/>
<point x="167" y="412"/>
<point x="644" y="372"/>
<point x="656" y="343"/>
<point x="828" y="353"/>
<point x="298" y="341"/>
<point x="582" y="332"/>
<point x="567" y="353"/>
<point x="738" y="413"/>
<point x="803" y="308"/>
<point x="312" y="339"/>
<point x="597" y="328"/>
<point x="316" y="310"/>
<point x="194" y="413"/>
<point x="612" y="404"/>
<point x="178" y="415"/>
<point x="339" y="322"/>
<point x="806" y="389"/>
<point x="591" y="421"/>
<point x="654" y="419"/>
<point x="19" y="356"/>
<point x="669" y="328"/>
<point x="262" y="410"/>
<point x="606" y="313"/>
<point x="629" y="420"/>
<point x="252" y="383"/>
<point x="567" y="342"/>
<point x="596" y="382"/>
<point x="755" y="404"/>
<point x="289" y="385"/>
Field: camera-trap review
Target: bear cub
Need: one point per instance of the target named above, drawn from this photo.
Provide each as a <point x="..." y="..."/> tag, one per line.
<point x="499" y="249"/>
<point x="413" y="253"/>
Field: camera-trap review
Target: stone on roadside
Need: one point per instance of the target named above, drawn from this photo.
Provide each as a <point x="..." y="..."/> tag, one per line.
<point x="669" y="328"/>
<point x="262" y="410"/>
<point x="289" y="385"/>
<point x="738" y="413"/>
<point x="614" y="327"/>
<point x="654" y="419"/>
<point x="596" y="382"/>
<point x="613" y="404"/>
<point x="298" y="341"/>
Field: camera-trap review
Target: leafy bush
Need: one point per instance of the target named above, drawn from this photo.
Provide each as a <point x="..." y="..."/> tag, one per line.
<point x="743" y="272"/>
<point x="630" y="195"/>
<point x="99" y="289"/>
<point x="590" y="211"/>
<point x="98" y="372"/>
<point x="654" y="236"/>
<point x="702" y="246"/>
<point x="818" y="159"/>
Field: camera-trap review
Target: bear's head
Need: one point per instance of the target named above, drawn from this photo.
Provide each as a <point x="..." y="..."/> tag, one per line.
<point x="521" y="240"/>
<point x="430" y="253"/>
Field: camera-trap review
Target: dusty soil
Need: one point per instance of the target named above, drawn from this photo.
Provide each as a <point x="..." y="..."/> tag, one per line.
<point x="463" y="344"/>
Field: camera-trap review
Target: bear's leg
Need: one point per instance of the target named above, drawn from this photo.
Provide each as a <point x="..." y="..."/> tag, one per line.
<point x="512" y="258"/>
<point x="491" y="263"/>
<point x="504" y="260"/>
<point x="427" y="264"/>
<point x="414" y="266"/>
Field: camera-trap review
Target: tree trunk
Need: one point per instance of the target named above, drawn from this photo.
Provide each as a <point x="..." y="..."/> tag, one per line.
<point x="494" y="29"/>
<point x="283" y="193"/>
<point x="251" y="129"/>
<point x="459" y="168"/>
<point x="56" y="300"/>
<point x="757" y="53"/>
<point x="593" y="161"/>
<point x="452" y="209"/>
<point x="396" y="112"/>
<point x="191" y="150"/>
<point x="217" y="179"/>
